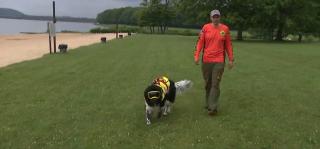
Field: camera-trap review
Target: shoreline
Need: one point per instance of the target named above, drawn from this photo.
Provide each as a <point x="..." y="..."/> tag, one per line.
<point x="62" y="32"/>
<point x="17" y="48"/>
<point x="49" y="18"/>
<point x="16" y="26"/>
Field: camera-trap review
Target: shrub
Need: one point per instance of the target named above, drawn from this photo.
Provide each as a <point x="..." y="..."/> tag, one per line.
<point x="310" y="38"/>
<point x="112" y="29"/>
<point x="67" y="31"/>
<point x="294" y="38"/>
<point x="189" y="33"/>
<point x="174" y="32"/>
<point x="95" y="30"/>
<point x="144" y="30"/>
<point x="257" y="33"/>
<point x="245" y="36"/>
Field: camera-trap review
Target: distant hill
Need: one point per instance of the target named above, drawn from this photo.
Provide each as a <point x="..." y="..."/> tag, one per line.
<point x="14" y="14"/>
<point x="10" y="12"/>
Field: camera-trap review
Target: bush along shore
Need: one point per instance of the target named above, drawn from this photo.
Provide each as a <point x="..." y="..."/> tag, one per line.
<point x="144" y="30"/>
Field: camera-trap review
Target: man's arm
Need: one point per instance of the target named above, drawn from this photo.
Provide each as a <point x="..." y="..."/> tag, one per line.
<point x="228" y="45"/>
<point x="199" y="44"/>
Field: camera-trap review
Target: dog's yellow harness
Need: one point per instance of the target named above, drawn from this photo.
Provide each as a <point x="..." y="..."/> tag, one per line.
<point x="163" y="83"/>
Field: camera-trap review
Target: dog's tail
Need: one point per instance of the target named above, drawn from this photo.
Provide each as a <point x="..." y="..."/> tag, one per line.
<point x="183" y="86"/>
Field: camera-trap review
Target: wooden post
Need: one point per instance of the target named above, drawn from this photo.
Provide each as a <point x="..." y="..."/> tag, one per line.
<point x="117" y="31"/>
<point x="49" y="38"/>
<point x="54" y="22"/>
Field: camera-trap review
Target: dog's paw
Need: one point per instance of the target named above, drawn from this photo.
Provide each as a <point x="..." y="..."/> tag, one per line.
<point x="165" y="114"/>
<point x="148" y="122"/>
<point x="168" y="110"/>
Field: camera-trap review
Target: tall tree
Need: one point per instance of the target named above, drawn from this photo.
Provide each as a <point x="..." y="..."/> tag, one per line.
<point x="238" y="13"/>
<point x="145" y="19"/>
<point x="123" y="15"/>
<point x="306" y="21"/>
<point x="156" y="13"/>
<point x="265" y="21"/>
<point x="318" y="22"/>
<point x="169" y="13"/>
<point x="198" y="11"/>
<point x="286" y="16"/>
<point x="233" y="12"/>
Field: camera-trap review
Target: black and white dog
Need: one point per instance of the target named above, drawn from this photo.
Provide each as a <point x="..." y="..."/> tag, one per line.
<point x="160" y="95"/>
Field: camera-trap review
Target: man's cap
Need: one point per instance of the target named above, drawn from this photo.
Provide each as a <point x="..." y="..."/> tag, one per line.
<point x="215" y="12"/>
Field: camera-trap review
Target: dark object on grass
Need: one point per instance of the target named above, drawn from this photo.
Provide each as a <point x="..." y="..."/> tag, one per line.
<point x="120" y="36"/>
<point x="129" y="33"/>
<point x="63" y="48"/>
<point x="103" y="39"/>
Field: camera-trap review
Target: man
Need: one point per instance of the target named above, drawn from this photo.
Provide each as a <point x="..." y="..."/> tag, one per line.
<point x="216" y="40"/>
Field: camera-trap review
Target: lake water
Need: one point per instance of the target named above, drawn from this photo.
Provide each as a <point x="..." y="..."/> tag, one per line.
<point x="15" y="26"/>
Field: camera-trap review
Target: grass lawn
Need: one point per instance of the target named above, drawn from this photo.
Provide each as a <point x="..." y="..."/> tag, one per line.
<point x="92" y="98"/>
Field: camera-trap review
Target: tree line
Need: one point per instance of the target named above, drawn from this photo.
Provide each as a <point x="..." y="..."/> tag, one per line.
<point x="263" y="19"/>
<point x="138" y="15"/>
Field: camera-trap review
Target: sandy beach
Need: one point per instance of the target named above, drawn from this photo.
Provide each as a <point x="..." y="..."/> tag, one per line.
<point x="18" y="48"/>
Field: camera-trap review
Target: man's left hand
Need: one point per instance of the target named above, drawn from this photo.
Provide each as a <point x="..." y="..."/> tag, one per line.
<point x="230" y="64"/>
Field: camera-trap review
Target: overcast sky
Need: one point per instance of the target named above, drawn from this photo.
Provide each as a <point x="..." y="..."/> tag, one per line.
<point x="73" y="8"/>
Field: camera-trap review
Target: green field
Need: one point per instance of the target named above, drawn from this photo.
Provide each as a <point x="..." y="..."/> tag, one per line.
<point x="92" y="97"/>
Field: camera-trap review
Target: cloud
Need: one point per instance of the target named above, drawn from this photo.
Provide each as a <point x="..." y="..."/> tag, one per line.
<point x="74" y="8"/>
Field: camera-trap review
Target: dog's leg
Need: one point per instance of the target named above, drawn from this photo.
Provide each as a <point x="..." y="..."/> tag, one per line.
<point x="160" y="111"/>
<point x="167" y="108"/>
<point x="162" y="108"/>
<point x="149" y="111"/>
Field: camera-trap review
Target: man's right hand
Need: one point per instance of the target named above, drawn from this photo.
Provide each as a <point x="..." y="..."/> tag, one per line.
<point x="196" y="61"/>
